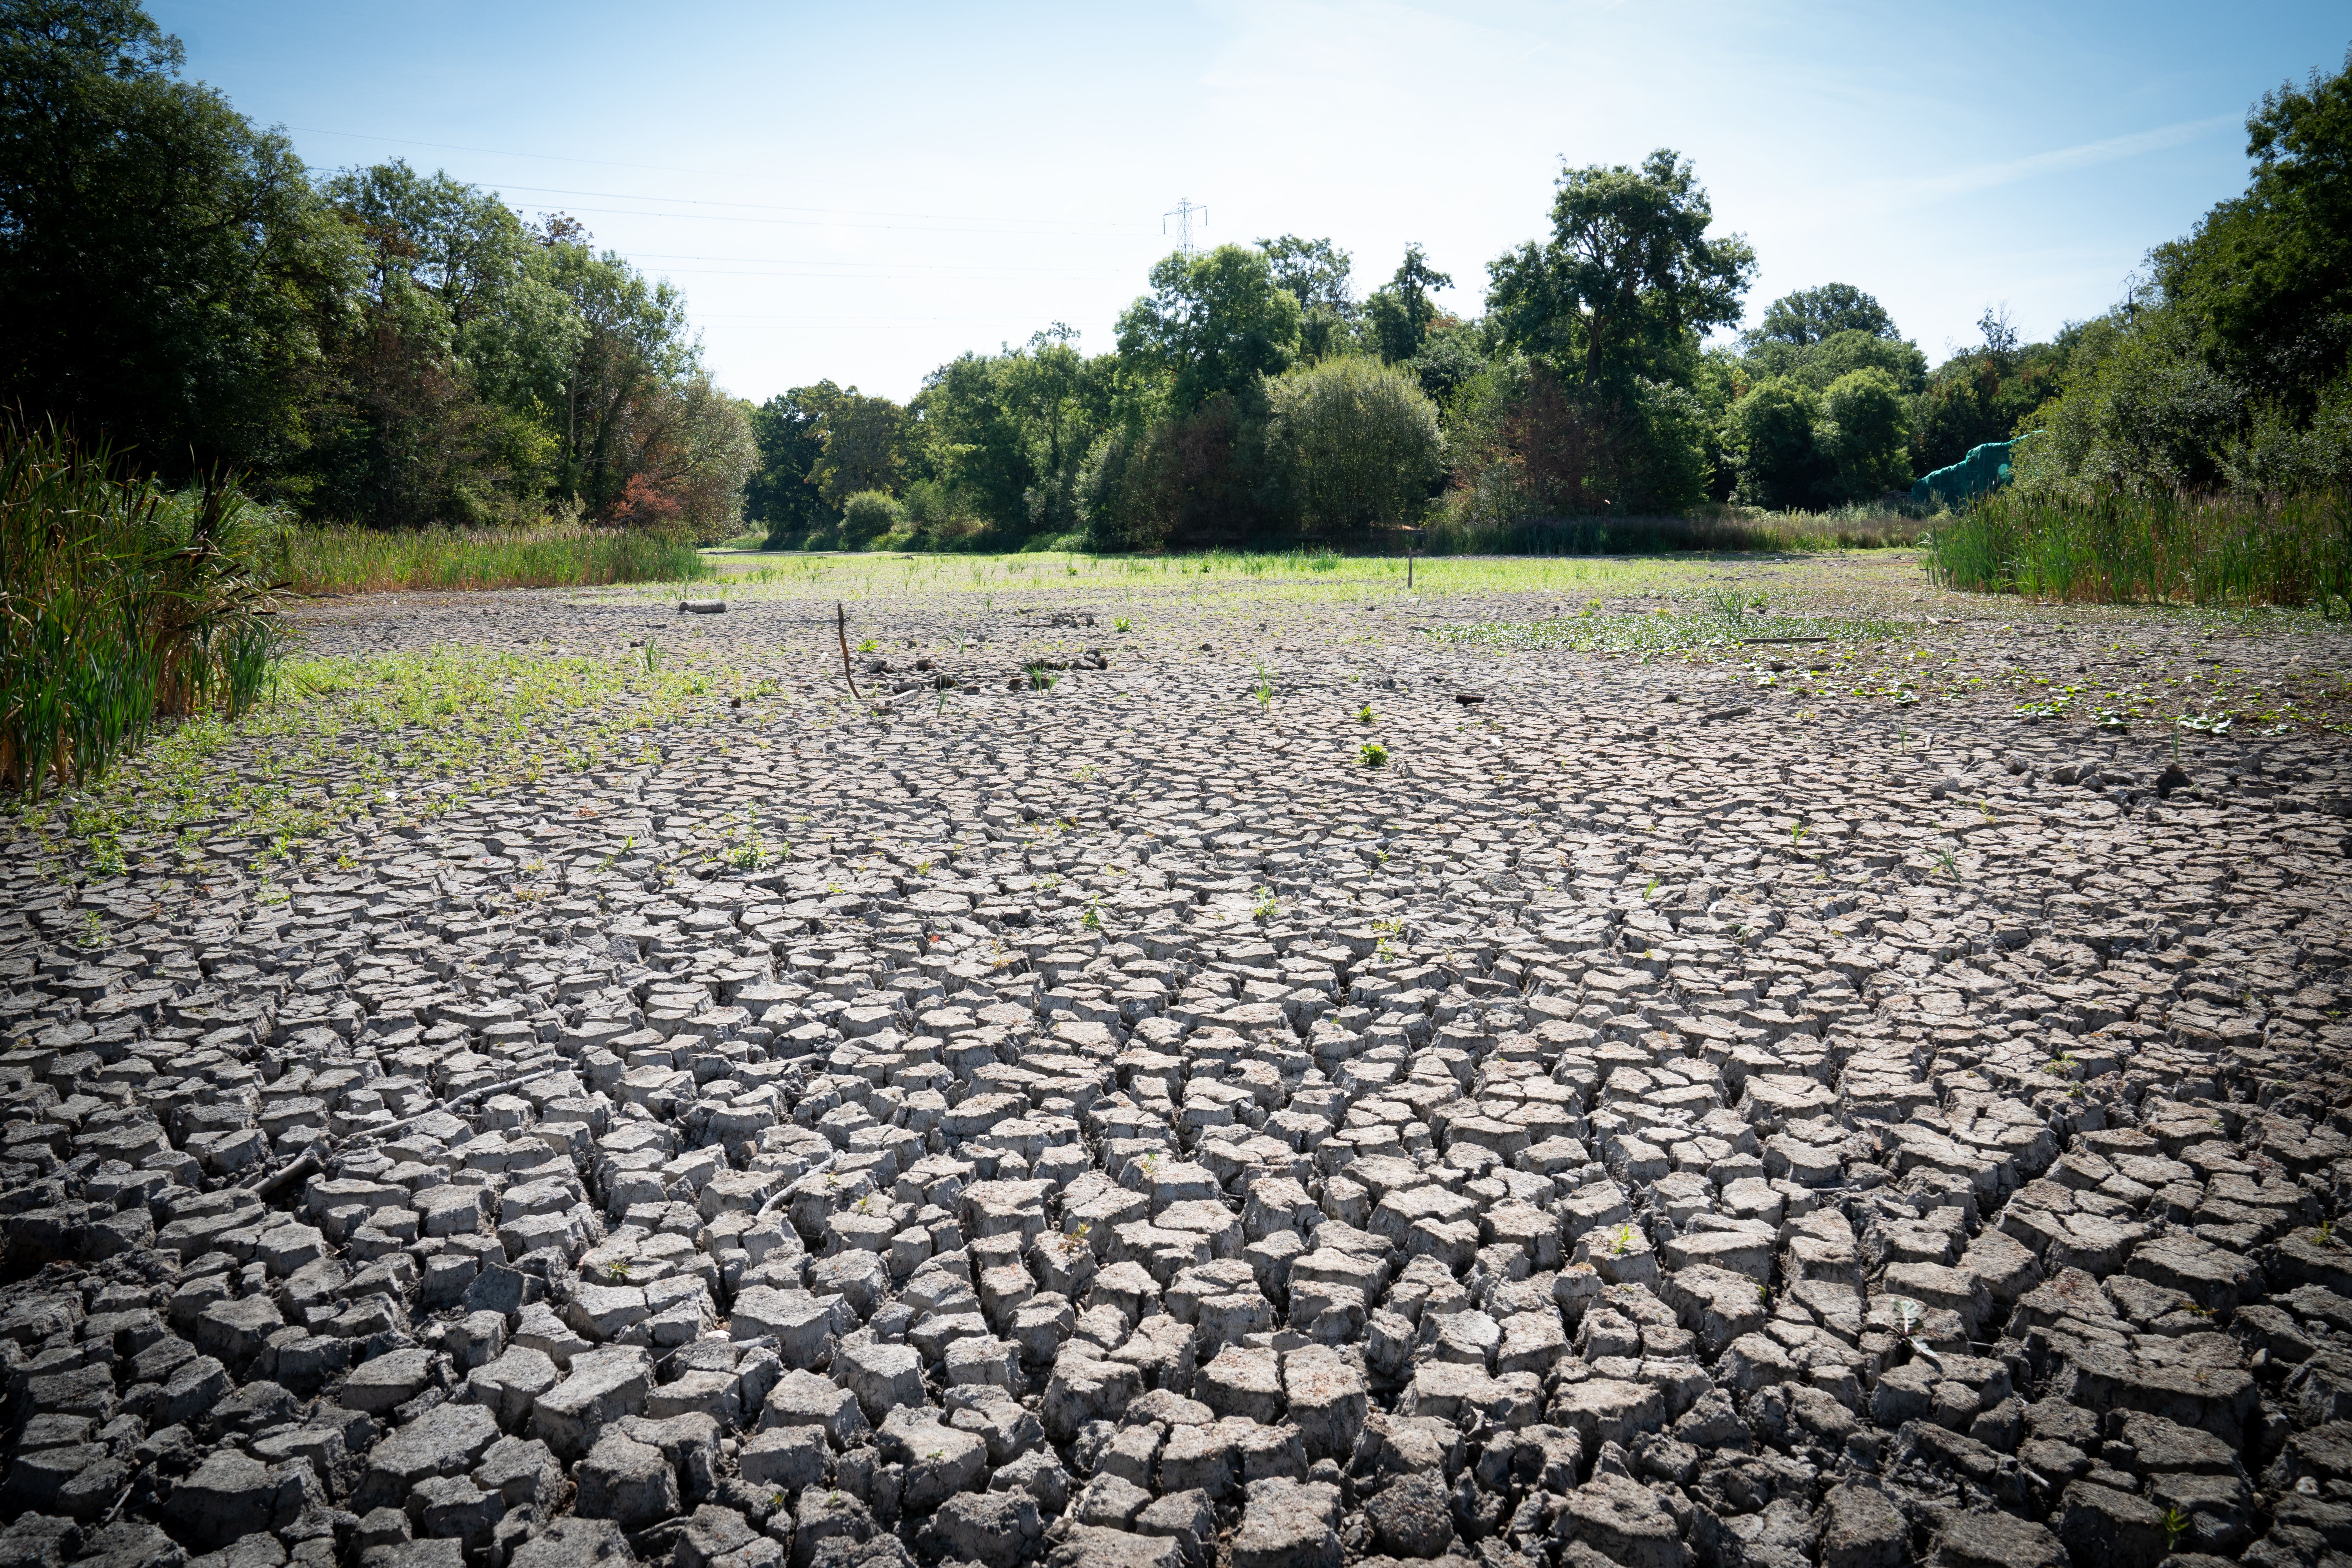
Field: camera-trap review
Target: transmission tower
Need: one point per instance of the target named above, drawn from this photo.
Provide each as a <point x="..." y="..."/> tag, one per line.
<point x="1184" y="213"/>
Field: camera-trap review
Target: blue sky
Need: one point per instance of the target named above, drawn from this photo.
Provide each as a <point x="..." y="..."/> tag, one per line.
<point x="861" y="193"/>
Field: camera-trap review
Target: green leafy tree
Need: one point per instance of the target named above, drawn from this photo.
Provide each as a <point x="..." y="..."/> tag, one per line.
<point x="1317" y="274"/>
<point x="970" y="441"/>
<point x="441" y="404"/>
<point x="781" y="491"/>
<point x="1815" y="315"/>
<point x="1217" y="323"/>
<point x="860" y="438"/>
<point x="2266" y="280"/>
<point x="1821" y="361"/>
<point x="1770" y="439"/>
<point x="1059" y="399"/>
<point x="1450" y="354"/>
<point x="168" y="272"/>
<point x="632" y="339"/>
<point x="1398" y="315"/>
<point x="2232" y="363"/>
<point x="1358" y="442"/>
<point x="1629" y="281"/>
<point x="1988" y="393"/>
<point x="1864" y="435"/>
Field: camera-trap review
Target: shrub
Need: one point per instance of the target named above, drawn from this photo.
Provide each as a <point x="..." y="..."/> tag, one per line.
<point x="1358" y="443"/>
<point x="866" y="516"/>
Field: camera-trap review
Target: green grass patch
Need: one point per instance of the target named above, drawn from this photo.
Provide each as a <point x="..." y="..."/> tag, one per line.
<point x="397" y="738"/>
<point x="1667" y="632"/>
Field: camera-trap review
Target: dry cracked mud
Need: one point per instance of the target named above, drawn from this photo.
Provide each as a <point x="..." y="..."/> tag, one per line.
<point x="1646" y="1121"/>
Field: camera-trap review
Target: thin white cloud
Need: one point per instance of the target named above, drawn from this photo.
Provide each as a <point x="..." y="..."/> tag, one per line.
<point x="2063" y="160"/>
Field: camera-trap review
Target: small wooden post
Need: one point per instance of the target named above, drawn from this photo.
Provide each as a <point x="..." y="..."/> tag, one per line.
<point x="841" y="629"/>
<point x="1411" y="536"/>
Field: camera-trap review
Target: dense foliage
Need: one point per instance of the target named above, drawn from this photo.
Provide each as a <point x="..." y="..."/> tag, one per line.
<point x="379" y="346"/>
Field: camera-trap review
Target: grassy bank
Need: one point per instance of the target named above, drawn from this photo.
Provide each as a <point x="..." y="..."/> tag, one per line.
<point x="2118" y="548"/>
<point x="121" y="603"/>
<point x="345" y="560"/>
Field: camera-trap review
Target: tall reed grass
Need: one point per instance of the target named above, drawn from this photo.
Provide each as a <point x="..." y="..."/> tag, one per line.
<point x="122" y="602"/>
<point x="339" y="558"/>
<point x="2118" y="547"/>
<point x="1732" y="530"/>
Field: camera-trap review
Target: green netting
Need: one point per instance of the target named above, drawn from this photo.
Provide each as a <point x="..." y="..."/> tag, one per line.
<point x="1986" y="467"/>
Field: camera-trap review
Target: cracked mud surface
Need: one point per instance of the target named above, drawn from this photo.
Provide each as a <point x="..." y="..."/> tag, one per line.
<point x="1658" y="1118"/>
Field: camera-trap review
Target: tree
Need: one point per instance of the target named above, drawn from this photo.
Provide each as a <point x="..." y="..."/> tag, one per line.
<point x="1628" y="279"/>
<point x="969" y="440"/>
<point x="1213" y="323"/>
<point x="1059" y="399"/>
<point x="632" y="335"/>
<point x="1359" y="443"/>
<point x="168" y="270"/>
<point x="1400" y="313"/>
<point x="1985" y="393"/>
<point x="1864" y="435"/>
<point x="1816" y="364"/>
<point x="860" y="437"/>
<point x="782" y="489"/>
<point x="688" y="452"/>
<point x="440" y="408"/>
<point x="1450" y="356"/>
<point x="1316" y="273"/>
<point x="2266" y="277"/>
<point x="1813" y="315"/>
<point x="1770" y="438"/>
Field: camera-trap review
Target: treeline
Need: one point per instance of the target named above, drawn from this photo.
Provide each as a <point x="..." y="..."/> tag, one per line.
<point x="375" y="346"/>
<point x="1252" y="395"/>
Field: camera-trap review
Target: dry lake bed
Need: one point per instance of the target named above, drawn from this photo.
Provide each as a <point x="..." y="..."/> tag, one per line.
<point x="1727" y="1062"/>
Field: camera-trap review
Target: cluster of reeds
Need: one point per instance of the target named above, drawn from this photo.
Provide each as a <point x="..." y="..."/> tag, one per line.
<point x="346" y="560"/>
<point x="2119" y="546"/>
<point x="122" y="603"/>
<point x="1731" y="531"/>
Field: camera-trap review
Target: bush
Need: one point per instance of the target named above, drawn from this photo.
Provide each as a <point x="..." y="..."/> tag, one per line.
<point x="1358" y="444"/>
<point x="866" y="517"/>
<point x="1191" y="481"/>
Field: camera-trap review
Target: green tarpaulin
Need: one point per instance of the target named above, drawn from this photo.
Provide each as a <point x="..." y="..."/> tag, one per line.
<point x="1986" y="467"/>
